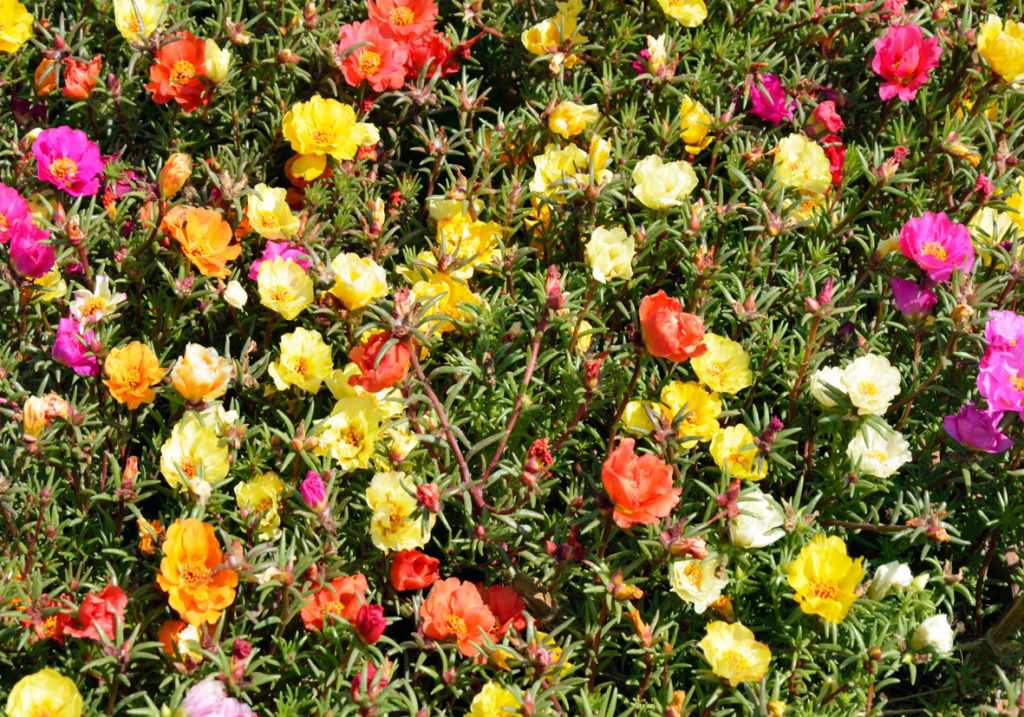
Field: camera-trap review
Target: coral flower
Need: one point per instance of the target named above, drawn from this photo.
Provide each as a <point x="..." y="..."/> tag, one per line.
<point x="413" y="570"/>
<point x="98" y="615"/>
<point x="506" y="606"/>
<point x="68" y="160"/>
<point x="80" y="78"/>
<point x="668" y="331"/>
<point x="380" y="60"/>
<point x="903" y="58"/>
<point x="938" y="245"/>
<point x="179" y="73"/>
<point x="639" y="486"/>
<point x="131" y="371"/>
<point x="406" y="19"/>
<point x="198" y="586"/>
<point x="204" y="237"/>
<point x="733" y="653"/>
<point x="454" y="609"/>
<point x="380" y="369"/>
<point x="342" y="597"/>
<point x="435" y="50"/>
<point x="825" y="578"/>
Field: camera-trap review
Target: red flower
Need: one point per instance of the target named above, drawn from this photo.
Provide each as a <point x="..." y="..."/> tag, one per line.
<point x="381" y="62"/>
<point x="669" y="332"/>
<point x="413" y="570"/>
<point x="370" y="623"/>
<point x="404" y="19"/>
<point x="80" y="78"/>
<point x="836" y="153"/>
<point x="52" y="625"/>
<point x="98" y="614"/>
<point x="507" y="607"/>
<point x="435" y="49"/>
<point x="903" y="57"/>
<point x="639" y="486"/>
<point x="342" y="597"/>
<point x="825" y="120"/>
<point x="179" y="73"/>
<point x="385" y="373"/>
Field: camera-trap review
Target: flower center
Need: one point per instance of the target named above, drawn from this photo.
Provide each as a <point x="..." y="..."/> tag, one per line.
<point x="334" y="608"/>
<point x="350" y="435"/>
<point x="321" y="138"/>
<point x="369" y="62"/>
<point x="1017" y="382"/>
<point x="738" y="660"/>
<point x="188" y="467"/>
<point x="132" y="377"/>
<point x="281" y="294"/>
<point x="693" y="574"/>
<point x="182" y="71"/>
<point x="3" y="223"/>
<point x="716" y="368"/>
<point x="267" y="220"/>
<point x="867" y="388"/>
<point x="93" y="306"/>
<point x="402" y="17"/>
<point x="454" y="623"/>
<point x="44" y="709"/>
<point x="877" y="456"/>
<point x="51" y="627"/>
<point x="824" y="589"/>
<point x="302" y="367"/>
<point x="64" y="169"/>
<point x="934" y="249"/>
<point x="195" y="573"/>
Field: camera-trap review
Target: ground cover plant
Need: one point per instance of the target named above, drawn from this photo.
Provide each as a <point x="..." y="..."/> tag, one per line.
<point x="413" y="358"/>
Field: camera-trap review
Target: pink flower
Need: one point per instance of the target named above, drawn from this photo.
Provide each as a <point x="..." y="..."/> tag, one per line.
<point x="368" y="677"/>
<point x="14" y="210"/>
<point x="314" y="495"/>
<point x="1004" y="332"/>
<point x="209" y="699"/>
<point x="938" y="245"/>
<point x="281" y="249"/>
<point x="769" y="100"/>
<point x="71" y="346"/>
<point x="825" y="120"/>
<point x="977" y="430"/>
<point x="914" y="302"/>
<point x="30" y="255"/>
<point x="370" y="623"/>
<point x="68" y="160"/>
<point x="381" y="62"/>
<point x="1001" y="381"/>
<point x="903" y="57"/>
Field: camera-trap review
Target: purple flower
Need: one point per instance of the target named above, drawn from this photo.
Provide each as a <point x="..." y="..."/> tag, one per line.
<point x="977" y="429"/>
<point x="1001" y="381"/>
<point x="31" y="256"/>
<point x="209" y="699"/>
<point x="71" y="346"/>
<point x="914" y="302"/>
<point x="282" y="249"/>
<point x="68" y="160"/>
<point x="14" y="210"/>
<point x="938" y="245"/>
<point x="769" y="100"/>
<point x="313" y="492"/>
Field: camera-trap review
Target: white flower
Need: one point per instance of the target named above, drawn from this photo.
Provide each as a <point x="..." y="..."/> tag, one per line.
<point x="610" y="254"/>
<point x="97" y="304"/>
<point x="933" y="634"/>
<point x="872" y="383"/>
<point x="764" y="524"/>
<point x="660" y="185"/>
<point x="891" y="575"/>
<point x="235" y="295"/>
<point x="697" y="582"/>
<point x="831" y="375"/>
<point x="878" y="454"/>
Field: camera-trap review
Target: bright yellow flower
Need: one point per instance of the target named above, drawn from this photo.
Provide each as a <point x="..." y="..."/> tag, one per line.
<point x="700" y="408"/>
<point x="394" y="525"/>
<point x="1002" y="47"/>
<point x="389" y="401"/>
<point x="327" y="127"/>
<point x="636" y="417"/>
<point x="492" y="701"/>
<point x="548" y="36"/>
<point x="49" y="287"/>
<point x="193" y="457"/>
<point x="305" y="361"/>
<point x="473" y="243"/>
<point x="263" y="495"/>
<point x="269" y="214"/>
<point x="15" y="25"/>
<point x="734" y="451"/>
<point x="689" y="13"/>
<point x="46" y="693"/>
<point x="800" y="163"/>
<point x="734" y="654"/>
<point x="284" y="287"/>
<point x="358" y="280"/>
<point x="694" y="125"/>
<point x="660" y="184"/>
<point x="1015" y="204"/>
<point x="559" y="169"/>
<point x="349" y="433"/>
<point x="569" y="119"/>
<point x="454" y="294"/>
<point x="138" y="19"/>
<point x="725" y="367"/>
<point x="825" y="578"/>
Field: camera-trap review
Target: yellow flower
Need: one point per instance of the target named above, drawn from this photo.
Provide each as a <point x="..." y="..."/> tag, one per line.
<point x="548" y="36"/>
<point x="636" y="417"/>
<point x="599" y="155"/>
<point x="269" y="213"/>
<point x="989" y="228"/>
<point x="389" y="401"/>
<point x="349" y="433"/>
<point x="656" y="54"/>
<point x="305" y="361"/>
<point x="734" y="452"/>
<point x="698" y="581"/>
<point x="660" y="185"/>
<point x="700" y="408"/>
<point x="1002" y="46"/>
<point x="193" y="457"/>
<point x="492" y="701"/>
<point x="15" y="25"/>
<point x="358" y="280"/>
<point x="138" y="19"/>
<point x="1015" y="203"/>
<point x="734" y="654"/>
<point x="46" y="693"/>
<point x="394" y="524"/>
<point x="610" y="254"/>
<point x="49" y="287"/>
<point x="725" y="367"/>
<point x="284" y="287"/>
<point x="689" y="13"/>
<point x="473" y="243"/>
<point x="327" y="127"/>
<point x="454" y="203"/>
<point x="263" y="495"/>
<point x="559" y="169"/>
<point x="217" y="62"/>
<point x="569" y="119"/>
<point x="800" y="163"/>
<point x="825" y="578"/>
<point x="202" y="375"/>
<point x="453" y="295"/>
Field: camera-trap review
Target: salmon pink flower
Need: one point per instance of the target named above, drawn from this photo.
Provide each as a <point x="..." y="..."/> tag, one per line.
<point x="380" y="372"/>
<point x="404" y="19"/>
<point x="71" y="346"/>
<point x="14" y="212"/>
<point x="380" y="60"/>
<point x="454" y="609"/>
<point x="668" y="331"/>
<point x="640" y="486"/>
<point x="976" y="429"/>
<point x="209" y="699"/>
<point x="938" y="245"/>
<point x="68" y="160"/>
<point x="98" y="615"/>
<point x="903" y="58"/>
<point x="80" y="78"/>
<point x="768" y="98"/>
<point x="179" y="74"/>
<point x="342" y="597"/>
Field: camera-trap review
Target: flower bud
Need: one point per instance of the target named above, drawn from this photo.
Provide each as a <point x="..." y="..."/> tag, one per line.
<point x="45" y="77"/>
<point x="370" y="623"/>
<point x="176" y="171"/>
<point x="313" y="492"/>
<point x="235" y="295"/>
<point x="888" y="577"/>
<point x="934" y="635"/>
<point x="429" y="496"/>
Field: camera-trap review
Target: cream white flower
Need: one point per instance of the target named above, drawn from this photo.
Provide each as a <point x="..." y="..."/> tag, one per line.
<point x="610" y="254"/>
<point x="764" y="524"/>
<point x="878" y="453"/>
<point x="235" y="295"/>
<point x="831" y="375"/>
<point x="95" y="305"/>
<point x="697" y="582"/>
<point x="888" y="577"/>
<point x="660" y="185"/>
<point x="217" y="62"/>
<point x="872" y="383"/>
<point x="933" y="634"/>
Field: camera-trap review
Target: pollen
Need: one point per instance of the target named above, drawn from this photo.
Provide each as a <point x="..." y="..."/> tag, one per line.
<point x="369" y="62"/>
<point x="402" y="17"/>
<point x="181" y="72"/>
<point x="63" y="169"/>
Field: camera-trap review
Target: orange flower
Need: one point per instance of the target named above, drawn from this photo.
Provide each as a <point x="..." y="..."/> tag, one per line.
<point x="132" y="370"/>
<point x="668" y="331"/>
<point x="149" y="533"/>
<point x="179" y="73"/>
<point x="205" y="239"/>
<point x="639" y="486"/>
<point x="198" y="586"/>
<point x="342" y="597"/>
<point x="455" y="609"/>
<point x="80" y="78"/>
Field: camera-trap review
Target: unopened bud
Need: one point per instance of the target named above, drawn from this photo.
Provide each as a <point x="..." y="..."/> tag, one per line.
<point x="176" y="171"/>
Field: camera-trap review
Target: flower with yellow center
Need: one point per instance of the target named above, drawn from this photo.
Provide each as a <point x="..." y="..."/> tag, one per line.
<point x="689" y="13"/>
<point x="284" y="287"/>
<point x="736" y="454"/>
<point x="358" y="280"/>
<point x="800" y="163"/>
<point x="693" y="409"/>
<point x="389" y="401"/>
<point x="473" y="243"/>
<point x="263" y="495"/>
<point x="46" y="693"/>
<point x="325" y="127"/>
<point x="549" y="35"/>
<point x="305" y="361"/>
<point x="569" y="119"/>
<point x="660" y="184"/>
<point x="348" y="435"/>
<point x="193" y="457"/>
<point x="656" y="53"/>
<point x="49" y="287"/>
<point x="98" y="304"/>
<point x="202" y="375"/>
<point x="493" y="700"/>
<point x="451" y="295"/>
<point x="15" y="25"/>
<point x="871" y="383"/>
<point x="269" y="214"/>
<point x="725" y="367"/>
<point x="395" y="524"/>
<point x="217" y="62"/>
<point x="1002" y="47"/>
<point x="733" y="653"/>
<point x="878" y="451"/>
<point x="138" y="19"/>
<point x="825" y="578"/>
<point x="557" y="169"/>
<point x="694" y="125"/>
<point x="698" y="581"/>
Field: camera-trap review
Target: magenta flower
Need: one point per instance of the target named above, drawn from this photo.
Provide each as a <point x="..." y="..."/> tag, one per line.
<point x="903" y="57"/>
<point x="769" y="100"/>
<point x="31" y="256"/>
<point x="209" y="699"/>
<point x="1004" y="331"/>
<point x="914" y="302"/>
<point x="73" y="348"/>
<point x="314" y="495"/>
<point x="977" y="429"/>
<point x="938" y="245"/>
<point x="68" y="160"/>
<point x="1001" y="381"/>
<point x="282" y="249"/>
<point x="14" y="210"/>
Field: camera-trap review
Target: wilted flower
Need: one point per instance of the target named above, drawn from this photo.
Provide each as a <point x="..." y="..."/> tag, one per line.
<point x="913" y="300"/>
<point x="73" y="347"/>
<point x="80" y="78"/>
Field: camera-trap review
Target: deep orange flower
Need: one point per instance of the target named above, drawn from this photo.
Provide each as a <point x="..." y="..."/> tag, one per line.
<point x="454" y="609"/>
<point x="179" y="73"/>
<point x="391" y="368"/>
<point x="205" y="239"/>
<point x="131" y="371"/>
<point x="192" y="573"/>
<point x="342" y="597"/>
<point x="413" y="570"/>
<point x="80" y="78"/>
<point x="669" y="332"/>
<point x="639" y="486"/>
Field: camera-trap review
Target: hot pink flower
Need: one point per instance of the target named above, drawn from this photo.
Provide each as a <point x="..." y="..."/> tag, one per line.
<point x="70" y="348"/>
<point x="903" y="57"/>
<point x="769" y="100"/>
<point x="404" y="19"/>
<point x="381" y="62"/>
<point x="13" y="211"/>
<point x="825" y="119"/>
<point x="1004" y="331"/>
<point x="30" y="255"/>
<point x="281" y="249"/>
<point x="1001" y="381"/>
<point x="68" y="160"/>
<point x="914" y="302"/>
<point x="938" y="245"/>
